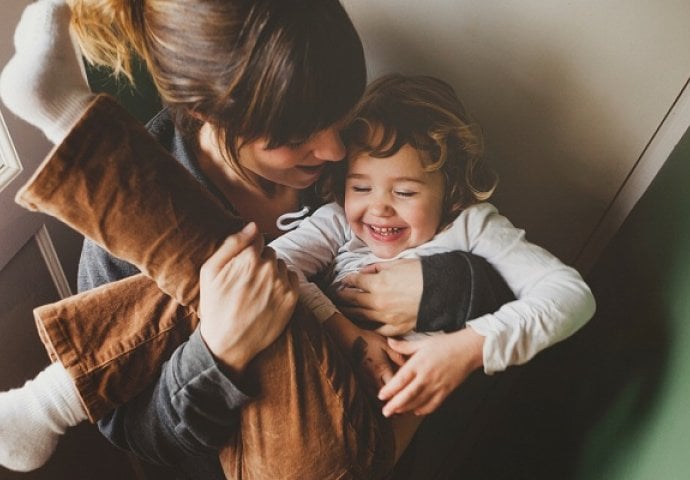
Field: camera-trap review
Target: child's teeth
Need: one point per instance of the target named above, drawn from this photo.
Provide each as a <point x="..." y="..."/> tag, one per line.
<point x="385" y="230"/>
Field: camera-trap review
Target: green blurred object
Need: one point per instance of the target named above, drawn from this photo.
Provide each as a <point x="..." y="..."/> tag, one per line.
<point x="613" y="401"/>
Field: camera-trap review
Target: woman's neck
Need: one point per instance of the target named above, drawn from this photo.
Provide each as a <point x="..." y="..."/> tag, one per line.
<point x="255" y="198"/>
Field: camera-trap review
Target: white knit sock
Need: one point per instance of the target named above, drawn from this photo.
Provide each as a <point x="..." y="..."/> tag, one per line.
<point x="43" y="83"/>
<point x="33" y="417"/>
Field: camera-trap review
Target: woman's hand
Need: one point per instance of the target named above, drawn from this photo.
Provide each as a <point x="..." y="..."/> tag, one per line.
<point x="247" y="298"/>
<point x="436" y="366"/>
<point x="387" y="293"/>
<point x="372" y="358"/>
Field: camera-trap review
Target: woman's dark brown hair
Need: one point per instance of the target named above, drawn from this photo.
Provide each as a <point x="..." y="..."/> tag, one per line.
<point x="279" y="70"/>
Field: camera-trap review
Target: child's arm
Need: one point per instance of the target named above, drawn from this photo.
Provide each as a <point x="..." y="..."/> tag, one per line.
<point x="553" y="301"/>
<point x="309" y="250"/>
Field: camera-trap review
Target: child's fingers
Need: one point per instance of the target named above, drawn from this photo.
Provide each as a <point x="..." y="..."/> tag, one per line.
<point x="416" y="403"/>
<point x="406" y="399"/>
<point x="430" y="405"/>
<point x="402" y="378"/>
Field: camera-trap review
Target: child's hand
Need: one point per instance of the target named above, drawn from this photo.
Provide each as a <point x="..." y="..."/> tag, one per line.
<point x="436" y="366"/>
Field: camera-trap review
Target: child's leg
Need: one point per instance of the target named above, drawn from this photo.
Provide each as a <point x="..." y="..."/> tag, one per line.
<point x="33" y="417"/>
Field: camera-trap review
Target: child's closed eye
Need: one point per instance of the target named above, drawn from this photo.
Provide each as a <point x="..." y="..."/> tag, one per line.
<point x="360" y="188"/>
<point x="405" y="193"/>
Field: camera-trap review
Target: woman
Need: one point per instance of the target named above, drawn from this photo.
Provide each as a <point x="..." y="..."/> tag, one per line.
<point x="257" y="89"/>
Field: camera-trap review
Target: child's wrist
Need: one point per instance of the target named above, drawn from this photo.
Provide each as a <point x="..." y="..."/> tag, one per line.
<point x="477" y="347"/>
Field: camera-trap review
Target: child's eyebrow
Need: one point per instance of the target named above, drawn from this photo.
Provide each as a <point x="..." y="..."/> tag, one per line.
<point x="410" y="179"/>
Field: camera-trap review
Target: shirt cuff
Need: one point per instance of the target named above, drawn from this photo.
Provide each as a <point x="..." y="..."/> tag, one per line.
<point x="198" y="375"/>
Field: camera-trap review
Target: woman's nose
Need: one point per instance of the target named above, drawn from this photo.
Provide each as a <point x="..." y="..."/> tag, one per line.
<point x="328" y="146"/>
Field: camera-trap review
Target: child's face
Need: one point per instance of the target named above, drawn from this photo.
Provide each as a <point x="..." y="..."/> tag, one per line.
<point x="391" y="203"/>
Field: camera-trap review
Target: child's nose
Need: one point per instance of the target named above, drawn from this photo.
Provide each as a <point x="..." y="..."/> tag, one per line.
<point x="381" y="207"/>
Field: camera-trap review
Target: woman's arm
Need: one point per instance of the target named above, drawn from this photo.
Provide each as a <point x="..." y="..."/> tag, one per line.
<point x="97" y="267"/>
<point x="438" y="292"/>
<point x="192" y="408"/>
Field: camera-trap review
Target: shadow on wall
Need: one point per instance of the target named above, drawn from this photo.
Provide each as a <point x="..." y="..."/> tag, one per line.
<point x="547" y="125"/>
<point x="569" y="412"/>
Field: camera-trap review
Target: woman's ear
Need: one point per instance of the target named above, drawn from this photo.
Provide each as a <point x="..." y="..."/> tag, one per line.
<point x="196" y="115"/>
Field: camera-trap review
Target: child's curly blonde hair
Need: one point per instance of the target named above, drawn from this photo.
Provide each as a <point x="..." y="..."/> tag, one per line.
<point x="424" y="112"/>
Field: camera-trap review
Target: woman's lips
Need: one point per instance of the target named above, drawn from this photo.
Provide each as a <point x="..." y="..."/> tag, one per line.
<point x="311" y="169"/>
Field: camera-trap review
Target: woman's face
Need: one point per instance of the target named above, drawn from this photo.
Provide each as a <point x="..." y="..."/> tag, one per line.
<point x="298" y="165"/>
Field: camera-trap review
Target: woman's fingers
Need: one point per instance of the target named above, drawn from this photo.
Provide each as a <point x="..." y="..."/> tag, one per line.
<point x="391" y="330"/>
<point x="355" y="296"/>
<point x="229" y="249"/>
<point x="403" y="346"/>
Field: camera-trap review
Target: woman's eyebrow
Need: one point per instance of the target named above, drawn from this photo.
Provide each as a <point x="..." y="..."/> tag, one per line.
<point x="358" y="176"/>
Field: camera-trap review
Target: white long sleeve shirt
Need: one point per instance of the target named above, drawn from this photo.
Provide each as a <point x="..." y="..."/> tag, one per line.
<point x="552" y="303"/>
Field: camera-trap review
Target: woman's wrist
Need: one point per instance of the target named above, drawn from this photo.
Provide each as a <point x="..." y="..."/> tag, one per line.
<point x="233" y="359"/>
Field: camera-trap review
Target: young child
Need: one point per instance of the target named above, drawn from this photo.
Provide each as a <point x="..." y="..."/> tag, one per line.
<point x="413" y="185"/>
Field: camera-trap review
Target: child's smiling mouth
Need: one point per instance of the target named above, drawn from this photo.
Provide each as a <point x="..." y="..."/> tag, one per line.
<point x="386" y="234"/>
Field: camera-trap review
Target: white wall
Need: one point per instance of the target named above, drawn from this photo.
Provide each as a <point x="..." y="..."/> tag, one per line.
<point x="568" y="92"/>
